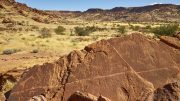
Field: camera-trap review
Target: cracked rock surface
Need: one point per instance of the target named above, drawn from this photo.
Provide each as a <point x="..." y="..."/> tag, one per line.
<point x="130" y="68"/>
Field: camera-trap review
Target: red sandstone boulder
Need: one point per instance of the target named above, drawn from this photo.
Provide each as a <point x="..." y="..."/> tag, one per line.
<point x="121" y="69"/>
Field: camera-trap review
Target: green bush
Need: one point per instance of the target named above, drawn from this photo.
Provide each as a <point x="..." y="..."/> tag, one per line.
<point x="35" y="27"/>
<point x="80" y="31"/>
<point x="60" y="30"/>
<point x="91" y="28"/>
<point x="7" y="86"/>
<point x="134" y="28"/>
<point x="10" y="51"/>
<point x="167" y="30"/>
<point x="148" y="27"/>
<point x="45" y="33"/>
<point x="121" y="29"/>
<point x="85" y="31"/>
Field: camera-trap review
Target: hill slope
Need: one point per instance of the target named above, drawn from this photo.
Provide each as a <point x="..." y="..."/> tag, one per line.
<point x="150" y="13"/>
<point x="13" y="9"/>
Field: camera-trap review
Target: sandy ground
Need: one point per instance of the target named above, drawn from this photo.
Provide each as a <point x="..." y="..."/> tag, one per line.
<point x="25" y="60"/>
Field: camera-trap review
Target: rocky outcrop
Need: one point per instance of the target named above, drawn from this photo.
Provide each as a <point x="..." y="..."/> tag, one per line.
<point x="79" y="96"/>
<point x="122" y="69"/>
<point x="172" y="41"/>
<point x="38" y="98"/>
<point x="177" y="35"/>
<point x="102" y="98"/>
<point x="170" y="92"/>
<point x="20" y="9"/>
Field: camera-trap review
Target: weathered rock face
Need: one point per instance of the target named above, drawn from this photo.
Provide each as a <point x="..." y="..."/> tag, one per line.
<point x="174" y="42"/>
<point x="149" y="58"/>
<point x="170" y="92"/>
<point x="102" y="98"/>
<point x="38" y="98"/>
<point x="79" y="96"/>
<point x="121" y="69"/>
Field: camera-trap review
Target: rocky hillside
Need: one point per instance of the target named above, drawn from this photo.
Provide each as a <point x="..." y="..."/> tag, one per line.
<point x="130" y="68"/>
<point x="151" y="13"/>
<point x="12" y="9"/>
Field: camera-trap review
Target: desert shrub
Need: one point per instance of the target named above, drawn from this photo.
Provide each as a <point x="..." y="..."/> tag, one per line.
<point x="35" y="51"/>
<point x="10" y="51"/>
<point x="8" y="20"/>
<point x="145" y="29"/>
<point x="71" y="32"/>
<point x="114" y="25"/>
<point x="35" y="27"/>
<point x="45" y="33"/>
<point x="8" y="85"/>
<point x="80" y="31"/>
<point x="85" y="31"/>
<point x="167" y="30"/>
<point x="9" y="26"/>
<point x="148" y="27"/>
<point x="20" y="29"/>
<point x="91" y="28"/>
<point x="121" y="29"/>
<point x="134" y="28"/>
<point x="60" y="30"/>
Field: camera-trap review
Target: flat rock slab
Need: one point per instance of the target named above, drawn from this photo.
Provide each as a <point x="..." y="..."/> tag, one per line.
<point x="122" y="69"/>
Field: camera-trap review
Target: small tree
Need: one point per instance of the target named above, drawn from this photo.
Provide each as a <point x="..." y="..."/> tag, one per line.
<point x="60" y="30"/>
<point x="45" y="33"/>
<point x="167" y="30"/>
<point x="121" y="29"/>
